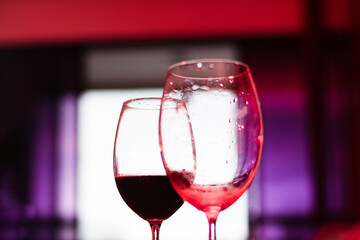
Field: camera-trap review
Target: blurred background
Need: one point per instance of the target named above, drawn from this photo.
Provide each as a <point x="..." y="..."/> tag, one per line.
<point x="67" y="66"/>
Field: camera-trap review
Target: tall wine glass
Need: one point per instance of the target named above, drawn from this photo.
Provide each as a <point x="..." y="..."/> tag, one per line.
<point x="211" y="133"/>
<point x="139" y="172"/>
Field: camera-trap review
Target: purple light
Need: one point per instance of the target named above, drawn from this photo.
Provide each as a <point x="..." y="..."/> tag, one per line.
<point x="287" y="184"/>
<point x="66" y="158"/>
<point x="53" y="183"/>
<point x="41" y="185"/>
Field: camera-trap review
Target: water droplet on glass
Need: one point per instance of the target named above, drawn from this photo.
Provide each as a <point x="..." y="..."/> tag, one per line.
<point x="231" y="79"/>
<point x="198" y="66"/>
<point x="240" y="127"/>
<point x="211" y="66"/>
<point x="205" y="88"/>
<point x="247" y="102"/>
<point x="171" y="83"/>
<point x="235" y="100"/>
<point x="229" y="120"/>
<point x="221" y="85"/>
<point x="195" y="87"/>
<point x="260" y="138"/>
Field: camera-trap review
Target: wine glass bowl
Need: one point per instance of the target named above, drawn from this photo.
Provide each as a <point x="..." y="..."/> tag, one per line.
<point x="211" y="133"/>
<point x="138" y="169"/>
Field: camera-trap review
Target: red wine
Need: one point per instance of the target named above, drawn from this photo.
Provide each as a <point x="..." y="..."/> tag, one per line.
<point x="151" y="197"/>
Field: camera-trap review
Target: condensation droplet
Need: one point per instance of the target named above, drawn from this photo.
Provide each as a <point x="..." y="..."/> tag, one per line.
<point x="211" y="66"/>
<point x="247" y="102"/>
<point x="205" y="88"/>
<point x="260" y="138"/>
<point x="235" y="100"/>
<point x="171" y="83"/>
<point x="198" y="66"/>
<point x="231" y="79"/>
<point x="195" y="87"/>
<point x="229" y="120"/>
<point x="240" y="127"/>
<point x="221" y="85"/>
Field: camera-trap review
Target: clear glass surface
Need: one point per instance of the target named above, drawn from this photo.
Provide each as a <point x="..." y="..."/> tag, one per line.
<point x="138" y="169"/>
<point x="211" y="133"/>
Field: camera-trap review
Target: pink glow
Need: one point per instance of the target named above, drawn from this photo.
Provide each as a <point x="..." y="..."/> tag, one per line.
<point x="39" y="21"/>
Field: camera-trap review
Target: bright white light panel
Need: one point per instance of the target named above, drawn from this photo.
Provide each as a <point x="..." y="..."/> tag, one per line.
<point x="102" y="214"/>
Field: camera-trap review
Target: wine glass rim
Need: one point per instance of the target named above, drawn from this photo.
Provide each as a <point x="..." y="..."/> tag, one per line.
<point x="209" y="60"/>
<point x="152" y="103"/>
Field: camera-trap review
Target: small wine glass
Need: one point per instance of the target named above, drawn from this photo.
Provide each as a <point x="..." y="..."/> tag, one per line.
<point x="138" y="169"/>
<point x="211" y="133"/>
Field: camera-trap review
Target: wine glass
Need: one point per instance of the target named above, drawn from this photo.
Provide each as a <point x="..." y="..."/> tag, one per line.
<point x="138" y="169"/>
<point x="211" y="133"/>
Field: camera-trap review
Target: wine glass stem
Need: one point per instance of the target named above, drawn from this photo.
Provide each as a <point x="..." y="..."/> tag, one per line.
<point x="212" y="229"/>
<point x="155" y="230"/>
<point x="212" y="214"/>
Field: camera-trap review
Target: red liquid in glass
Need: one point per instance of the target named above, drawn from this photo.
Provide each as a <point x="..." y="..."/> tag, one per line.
<point x="210" y="197"/>
<point x="151" y="197"/>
